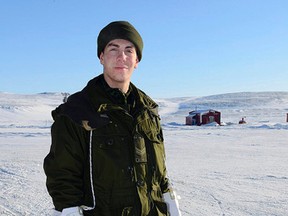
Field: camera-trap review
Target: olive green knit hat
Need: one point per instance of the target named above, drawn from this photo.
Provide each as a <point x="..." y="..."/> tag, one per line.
<point x="119" y="30"/>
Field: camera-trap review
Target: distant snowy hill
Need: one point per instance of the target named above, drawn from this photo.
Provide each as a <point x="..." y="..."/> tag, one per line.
<point x="244" y="99"/>
<point x="233" y="106"/>
<point x="25" y="108"/>
<point x="38" y="107"/>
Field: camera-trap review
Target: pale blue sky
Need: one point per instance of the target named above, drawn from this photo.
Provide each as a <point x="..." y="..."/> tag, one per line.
<point x="191" y="47"/>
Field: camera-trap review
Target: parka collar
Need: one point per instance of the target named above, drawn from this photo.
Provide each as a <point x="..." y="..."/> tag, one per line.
<point x="101" y="94"/>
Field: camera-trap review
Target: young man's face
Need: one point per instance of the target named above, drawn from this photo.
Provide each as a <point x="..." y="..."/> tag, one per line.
<point x="119" y="59"/>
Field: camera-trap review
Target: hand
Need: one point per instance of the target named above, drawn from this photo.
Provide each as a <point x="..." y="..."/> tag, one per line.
<point x="171" y="199"/>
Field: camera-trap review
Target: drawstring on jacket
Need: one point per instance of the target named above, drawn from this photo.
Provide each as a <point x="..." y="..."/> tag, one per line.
<point x="86" y="208"/>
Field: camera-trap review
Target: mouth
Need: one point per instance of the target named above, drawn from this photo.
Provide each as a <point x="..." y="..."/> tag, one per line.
<point x="121" y="67"/>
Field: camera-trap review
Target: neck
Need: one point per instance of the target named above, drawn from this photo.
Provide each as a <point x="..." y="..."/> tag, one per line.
<point x="122" y="86"/>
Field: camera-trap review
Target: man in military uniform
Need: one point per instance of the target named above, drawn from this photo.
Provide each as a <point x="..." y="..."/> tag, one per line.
<point x="107" y="154"/>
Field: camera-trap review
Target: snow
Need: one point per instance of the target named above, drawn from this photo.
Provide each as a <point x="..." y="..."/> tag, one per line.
<point x="217" y="170"/>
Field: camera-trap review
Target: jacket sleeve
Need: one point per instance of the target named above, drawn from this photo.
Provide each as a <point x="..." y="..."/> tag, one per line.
<point x="64" y="164"/>
<point x="165" y="182"/>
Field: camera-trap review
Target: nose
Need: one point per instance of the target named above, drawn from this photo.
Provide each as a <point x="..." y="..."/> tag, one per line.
<point x="121" y="55"/>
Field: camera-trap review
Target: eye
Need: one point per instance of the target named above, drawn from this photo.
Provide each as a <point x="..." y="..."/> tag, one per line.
<point x="112" y="48"/>
<point x="113" y="51"/>
<point x="130" y="51"/>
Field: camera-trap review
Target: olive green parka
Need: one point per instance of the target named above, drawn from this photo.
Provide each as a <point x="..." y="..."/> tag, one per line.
<point x="107" y="153"/>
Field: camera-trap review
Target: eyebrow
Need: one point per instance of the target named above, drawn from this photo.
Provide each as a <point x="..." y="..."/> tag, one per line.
<point x="116" y="45"/>
<point x="112" y="44"/>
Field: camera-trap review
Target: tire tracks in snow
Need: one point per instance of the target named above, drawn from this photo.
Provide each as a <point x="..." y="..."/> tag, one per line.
<point x="196" y="198"/>
<point x="219" y="203"/>
<point x="15" y="181"/>
<point x="6" y="211"/>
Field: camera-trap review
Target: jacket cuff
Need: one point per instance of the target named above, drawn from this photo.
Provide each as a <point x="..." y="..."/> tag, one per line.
<point x="72" y="211"/>
<point x="171" y="199"/>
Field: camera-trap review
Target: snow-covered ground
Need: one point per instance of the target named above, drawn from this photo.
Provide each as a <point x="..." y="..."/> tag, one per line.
<point x="217" y="170"/>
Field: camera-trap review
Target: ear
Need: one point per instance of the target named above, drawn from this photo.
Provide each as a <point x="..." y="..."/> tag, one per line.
<point x="136" y="64"/>
<point x="101" y="58"/>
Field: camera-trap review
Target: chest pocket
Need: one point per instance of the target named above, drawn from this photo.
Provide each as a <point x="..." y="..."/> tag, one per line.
<point x="150" y="126"/>
<point x="151" y="129"/>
